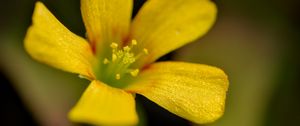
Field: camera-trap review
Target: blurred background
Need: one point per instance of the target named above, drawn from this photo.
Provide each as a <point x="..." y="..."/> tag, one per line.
<point x="255" y="42"/>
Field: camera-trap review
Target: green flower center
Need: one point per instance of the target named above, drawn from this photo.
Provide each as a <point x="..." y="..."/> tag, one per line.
<point x="116" y="69"/>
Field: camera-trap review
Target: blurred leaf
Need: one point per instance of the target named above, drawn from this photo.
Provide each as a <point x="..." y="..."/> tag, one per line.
<point x="47" y="92"/>
<point x="247" y="53"/>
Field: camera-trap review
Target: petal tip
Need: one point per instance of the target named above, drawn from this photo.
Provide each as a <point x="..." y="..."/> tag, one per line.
<point x="38" y="7"/>
<point x="195" y="92"/>
<point x="104" y="105"/>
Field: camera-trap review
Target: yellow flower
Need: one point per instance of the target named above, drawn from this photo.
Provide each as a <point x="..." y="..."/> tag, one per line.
<point x="118" y="57"/>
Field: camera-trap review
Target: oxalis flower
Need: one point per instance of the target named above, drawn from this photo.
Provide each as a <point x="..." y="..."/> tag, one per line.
<point x="118" y="55"/>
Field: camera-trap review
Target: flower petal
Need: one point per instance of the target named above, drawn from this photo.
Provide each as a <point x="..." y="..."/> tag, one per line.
<point x="48" y="41"/>
<point x="104" y="105"/>
<point x="162" y="25"/>
<point x="193" y="91"/>
<point x="106" y="21"/>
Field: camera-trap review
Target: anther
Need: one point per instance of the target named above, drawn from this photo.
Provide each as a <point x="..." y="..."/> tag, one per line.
<point x="118" y="76"/>
<point x="146" y="51"/>
<point x="114" y="57"/>
<point x="105" y="61"/>
<point x="121" y="58"/>
<point x="133" y="42"/>
<point x="135" y="72"/>
<point x="114" y="45"/>
<point x="126" y="48"/>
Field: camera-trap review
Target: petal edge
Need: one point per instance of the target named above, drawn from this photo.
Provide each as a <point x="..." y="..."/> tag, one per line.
<point x="162" y="26"/>
<point x="106" y="21"/>
<point x="48" y="41"/>
<point x="193" y="91"/>
<point x="104" y="105"/>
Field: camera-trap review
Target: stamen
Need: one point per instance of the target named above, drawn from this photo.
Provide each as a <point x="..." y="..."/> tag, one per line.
<point x="135" y="72"/>
<point x="128" y="58"/>
<point x="114" y="45"/>
<point x="146" y="51"/>
<point x="114" y="57"/>
<point x="126" y="48"/>
<point x="121" y="60"/>
<point x="105" y="61"/>
<point x="133" y="42"/>
<point x="118" y="76"/>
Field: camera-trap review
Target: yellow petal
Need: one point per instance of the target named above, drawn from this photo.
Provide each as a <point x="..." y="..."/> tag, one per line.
<point x="162" y="25"/>
<point x="104" y="105"/>
<point x="193" y="91"/>
<point x="48" y="41"/>
<point x="106" y="21"/>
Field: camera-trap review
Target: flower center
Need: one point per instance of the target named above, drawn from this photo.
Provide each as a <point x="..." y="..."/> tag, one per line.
<point x="116" y="69"/>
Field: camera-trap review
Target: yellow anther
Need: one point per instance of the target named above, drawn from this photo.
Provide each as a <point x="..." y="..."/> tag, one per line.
<point x="118" y="76"/>
<point x="105" y="61"/>
<point x="133" y="42"/>
<point x="146" y="51"/>
<point x="114" y="45"/>
<point x="114" y="57"/>
<point x="128" y="58"/>
<point x="121" y="59"/>
<point x="135" y="72"/>
<point x="126" y="48"/>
